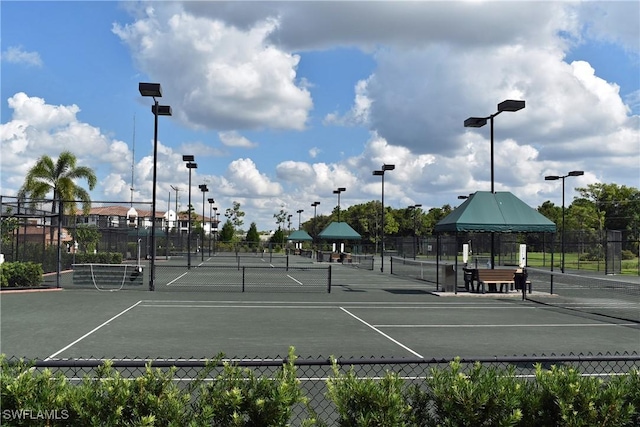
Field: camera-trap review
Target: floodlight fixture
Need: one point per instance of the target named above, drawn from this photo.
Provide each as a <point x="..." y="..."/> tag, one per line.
<point x="161" y="110"/>
<point x="510" y="105"/>
<point x="150" y="89"/>
<point x="475" y="122"/>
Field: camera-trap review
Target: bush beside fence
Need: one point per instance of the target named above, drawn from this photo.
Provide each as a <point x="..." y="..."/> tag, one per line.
<point x="554" y="391"/>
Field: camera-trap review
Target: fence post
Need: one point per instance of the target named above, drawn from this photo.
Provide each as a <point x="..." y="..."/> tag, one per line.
<point x="329" y="281"/>
<point x="243" y="268"/>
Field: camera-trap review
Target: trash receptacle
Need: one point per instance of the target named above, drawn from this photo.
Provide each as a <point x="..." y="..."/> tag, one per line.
<point x="520" y="279"/>
<point x="448" y="274"/>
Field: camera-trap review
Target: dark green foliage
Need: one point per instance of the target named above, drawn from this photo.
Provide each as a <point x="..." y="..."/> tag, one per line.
<point x="563" y="397"/>
<point x="230" y="396"/>
<point x="367" y="402"/>
<point x="482" y="397"/>
<point x="278" y="237"/>
<point x="238" y="398"/>
<point x="252" y="234"/>
<point x="99" y="258"/>
<point x="21" y="274"/>
<point x="627" y="255"/>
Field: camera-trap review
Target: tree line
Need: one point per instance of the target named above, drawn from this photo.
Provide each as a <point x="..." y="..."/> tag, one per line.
<point x="597" y="207"/>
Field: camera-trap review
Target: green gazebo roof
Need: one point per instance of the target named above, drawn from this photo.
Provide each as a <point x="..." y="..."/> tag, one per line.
<point x="299" y="236"/>
<point x="339" y="231"/>
<point x="500" y="212"/>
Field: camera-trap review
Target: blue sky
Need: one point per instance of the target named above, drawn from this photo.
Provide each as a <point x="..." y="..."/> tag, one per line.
<point x="283" y="102"/>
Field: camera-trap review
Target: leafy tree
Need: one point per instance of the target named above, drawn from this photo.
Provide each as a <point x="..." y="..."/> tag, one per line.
<point x="278" y="237"/>
<point x="60" y="178"/>
<point x="619" y="203"/>
<point x="551" y="211"/>
<point x="434" y="215"/>
<point x="281" y="218"/>
<point x="87" y="236"/>
<point x="8" y="225"/>
<point x="227" y="234"/>
<point x="252" y="234"/>
<point x="235" y="215"/>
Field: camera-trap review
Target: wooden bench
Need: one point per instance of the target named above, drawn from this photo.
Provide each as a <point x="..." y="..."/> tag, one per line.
<point x="503" y="277"/>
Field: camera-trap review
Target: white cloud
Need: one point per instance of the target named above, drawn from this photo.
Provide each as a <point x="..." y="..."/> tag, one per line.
<point x="16" y="55"/>
<point x="314" y="151"/>
<point x="244" y="179"/>
<point x="234" y="139"/>
<point x="219" y="76"/>
<point x="359" y="112"/>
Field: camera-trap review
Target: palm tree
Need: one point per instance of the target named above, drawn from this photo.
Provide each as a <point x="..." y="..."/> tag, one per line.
<point x="46" y="176"/>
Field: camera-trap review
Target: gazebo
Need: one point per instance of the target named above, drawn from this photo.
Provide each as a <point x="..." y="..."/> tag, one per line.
<point x="498" y="212"/>
<point x="339" y="232"/>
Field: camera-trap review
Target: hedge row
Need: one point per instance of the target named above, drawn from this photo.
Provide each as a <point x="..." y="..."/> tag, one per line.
<point x="448" y="397"/>
<point x="20" y="274"/>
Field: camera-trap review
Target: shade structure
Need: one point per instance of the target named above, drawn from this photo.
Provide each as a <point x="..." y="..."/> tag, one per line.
<point x="339" y="231"/>
<point x="300" y="236"/>
<point x="499" y="212"/>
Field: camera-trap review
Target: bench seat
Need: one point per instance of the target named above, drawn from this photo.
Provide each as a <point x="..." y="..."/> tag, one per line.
<point x="493" y="277"/>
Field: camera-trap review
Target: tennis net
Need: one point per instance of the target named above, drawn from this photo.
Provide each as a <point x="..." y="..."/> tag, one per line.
<point x="107" y="277"/>
<point x="245" y="278"/>
<point x="617" y="297"/>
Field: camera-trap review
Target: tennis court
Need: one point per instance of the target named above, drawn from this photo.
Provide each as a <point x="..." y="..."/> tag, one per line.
<point x="366" y="314"/>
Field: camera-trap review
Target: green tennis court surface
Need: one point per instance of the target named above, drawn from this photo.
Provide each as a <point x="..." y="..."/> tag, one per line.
<point x="367" y="314"/>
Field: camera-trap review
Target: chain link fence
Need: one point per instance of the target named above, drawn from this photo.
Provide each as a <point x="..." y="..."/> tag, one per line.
<point x="314" y="373"/>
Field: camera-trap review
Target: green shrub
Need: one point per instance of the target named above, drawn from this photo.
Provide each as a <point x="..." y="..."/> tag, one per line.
<point x="108" y="399"/>
<point x="24" y="390"/>
<point x="627" y="255"/>
<point x="450" y="397"/>
<point x="238" y="398"/>
<point x="21" y="274"/>
<point x="563" y="397"/>
<point x="99" y="258"/>
<point x="367" y="402"/>
<point x="483" y="397"/>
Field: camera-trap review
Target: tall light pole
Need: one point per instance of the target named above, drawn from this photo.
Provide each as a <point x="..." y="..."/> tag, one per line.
<point x="211" y="202"/>
<point x="176" y="223"/>
<point x="154" y="90"/>
<point x="299" y="213"/>
<point x="477" y="122"/>
<point x="381" y="172"/>
<point x="190" y="165"/>
<point x="338" y="191"/>
<point x="414" y="208"/>
<point x="315" y="225"/>
<point x="204" y="189"/>
<point x="562" y="177"/>
<point x="215" y="242"/>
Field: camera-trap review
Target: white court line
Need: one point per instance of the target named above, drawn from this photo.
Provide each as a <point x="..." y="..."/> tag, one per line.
<point x="526" y="325"/>
<point x="177" y="278"/>
<point x="382" y="333"/>
<point x="377" y="304"/>
<point x="323" y="307"/>
<point x="92" y="331"/>
<point x="297" y="281"/>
